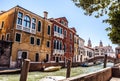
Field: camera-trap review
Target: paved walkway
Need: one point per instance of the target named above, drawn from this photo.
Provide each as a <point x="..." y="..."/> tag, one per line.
<point x="115" y="79"/>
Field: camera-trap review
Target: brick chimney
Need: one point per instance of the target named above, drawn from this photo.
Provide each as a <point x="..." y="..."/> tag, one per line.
<point x="45" y="14"/>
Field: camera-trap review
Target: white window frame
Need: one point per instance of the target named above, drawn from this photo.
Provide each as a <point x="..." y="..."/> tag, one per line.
<point x="33" y="23"/>
<point x="20" y="18"/>
<point x="34" y="40"/>
<point x="20" y="38"/>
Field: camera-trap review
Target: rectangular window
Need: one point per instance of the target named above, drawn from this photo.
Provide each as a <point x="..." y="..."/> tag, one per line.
<point x="61" y="30"/>
<point x="55" y="28"/>
<point x="70" y="35"/>
<point x="20" y="16"/>
<point x="65" y="33"/>
<point x="31" y="40"/>
<point x="33" y="23"/>
<point x="48" y="30"/>
<point x="39" y="26"/>
<point x="48" y="44"/>
<point x="7" y="36"/>
<point x="2" y="24"/>
<point x="58" y="30"/>
<point x="38" y="41"/>
<point x="18" y="37"/>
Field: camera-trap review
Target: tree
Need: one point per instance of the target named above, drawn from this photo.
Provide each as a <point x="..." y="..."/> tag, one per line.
<point x="104" y="7"/>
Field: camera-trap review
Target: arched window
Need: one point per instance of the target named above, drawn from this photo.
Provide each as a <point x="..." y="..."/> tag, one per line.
<point x="27" y="21"/>
<point x="39" y="26"/>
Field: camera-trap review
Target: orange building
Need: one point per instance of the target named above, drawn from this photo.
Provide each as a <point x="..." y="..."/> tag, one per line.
<point x="29" y="32"/>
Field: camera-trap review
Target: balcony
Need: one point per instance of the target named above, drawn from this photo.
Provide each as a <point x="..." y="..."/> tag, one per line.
<point x="61" y="52"/>
<point x="26" y="29"/>
<point x="19" y="27"/>
<point x="58" y="35"/>
<point x="33" y="31"/>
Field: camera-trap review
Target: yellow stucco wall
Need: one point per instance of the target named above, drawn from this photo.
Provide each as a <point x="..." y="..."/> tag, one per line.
<point x="25" y="45"/>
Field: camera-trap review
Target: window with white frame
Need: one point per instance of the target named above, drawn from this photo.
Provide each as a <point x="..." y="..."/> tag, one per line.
<point x="60" y="45"/>
<point x="33" y="23"/>
<point x="32" y="40"/>
<point x="38" y="41"/>
<point x="55" y="28"/>
<point x="58" y="30"/>
<point x="18" y="37"/>
<point x="27" y="21"/>
<point x="20" y="16"/>
<point x="61" y="30"/>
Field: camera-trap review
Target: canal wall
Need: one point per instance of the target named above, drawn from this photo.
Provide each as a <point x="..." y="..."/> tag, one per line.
<point x="37" y="66"/>
<point x="101" y="75"/>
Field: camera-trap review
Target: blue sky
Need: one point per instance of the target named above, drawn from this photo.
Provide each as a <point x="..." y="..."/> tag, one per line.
<point x="86" y="26"/>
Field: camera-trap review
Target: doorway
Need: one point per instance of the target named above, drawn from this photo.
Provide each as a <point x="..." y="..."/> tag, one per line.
<point x="36" y="57"/>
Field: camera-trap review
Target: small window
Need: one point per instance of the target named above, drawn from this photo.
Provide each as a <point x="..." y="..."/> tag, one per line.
<point x="7" y="36"/>
<point x="61" y="30"/>
<point x="55" y="28"/>
<point x="58" y="30"/>
<point x="54" y="44"/>
<point x="39" y="26"/>
<point x="18" y="37"/>
<point x="48" y="44"/>
<point x="48" y="30"/>
<point x="70" y="35"/>
<point x="38" y="42"/>
<point x="65" y="33"/>
<point x="2" y="24"/>
<point x="31" y="40"/>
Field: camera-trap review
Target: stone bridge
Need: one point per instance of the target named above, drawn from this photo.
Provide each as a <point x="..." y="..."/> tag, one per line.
<point x="94" y="59"/>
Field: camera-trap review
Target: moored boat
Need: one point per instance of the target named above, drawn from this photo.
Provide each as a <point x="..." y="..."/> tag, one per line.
<point x="52" y="68"/>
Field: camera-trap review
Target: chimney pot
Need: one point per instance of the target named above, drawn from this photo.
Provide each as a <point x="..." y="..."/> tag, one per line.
<point x="45" y="14"/>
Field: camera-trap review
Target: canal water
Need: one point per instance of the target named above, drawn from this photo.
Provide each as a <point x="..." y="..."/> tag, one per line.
<point x="36" y="76"/>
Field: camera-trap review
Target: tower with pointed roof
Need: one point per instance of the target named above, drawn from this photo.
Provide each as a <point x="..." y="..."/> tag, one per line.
<point x="101" y="44"/>
<point x="89" y="43"/>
